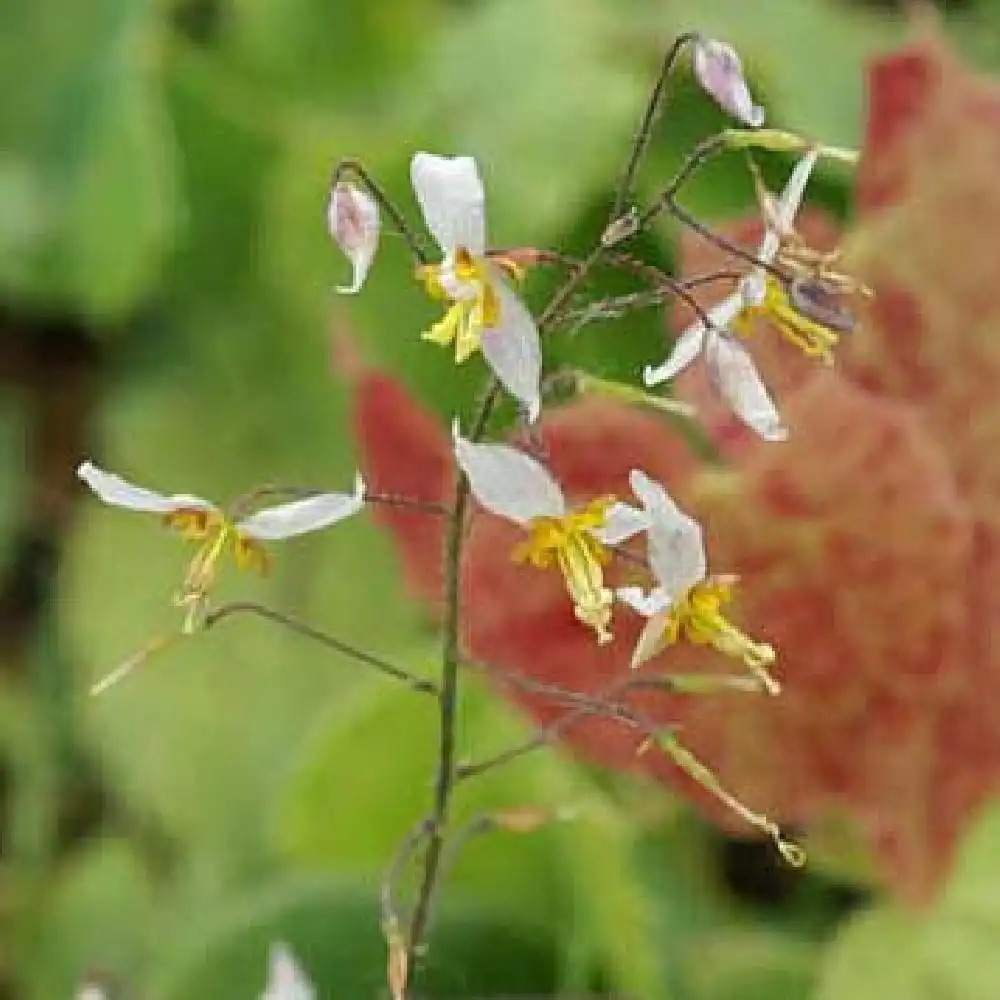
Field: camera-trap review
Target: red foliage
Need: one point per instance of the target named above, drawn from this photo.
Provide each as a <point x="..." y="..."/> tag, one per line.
<point x="868" y="544"/>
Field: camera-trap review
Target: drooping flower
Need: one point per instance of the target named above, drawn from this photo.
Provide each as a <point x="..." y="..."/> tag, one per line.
<point x="353" y="220"/>
<point x="718" y="69"/>
<point x="218" y="531"/>
<point x="686" y="600"/>
<point x="484" y="313"/>
<point x="286" y="980"/>
<point x="514" y="486"/>
<point x="759" y="294"/>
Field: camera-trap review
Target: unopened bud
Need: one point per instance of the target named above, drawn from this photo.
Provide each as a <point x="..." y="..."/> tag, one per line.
<point x="353" y="220"/>
<point x="823" y="302"/>
<point x="718" y="69"/>
<point x="621" y="228"/>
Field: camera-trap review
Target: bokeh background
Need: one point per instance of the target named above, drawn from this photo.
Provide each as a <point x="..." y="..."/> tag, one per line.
<point x="167" y="307"/>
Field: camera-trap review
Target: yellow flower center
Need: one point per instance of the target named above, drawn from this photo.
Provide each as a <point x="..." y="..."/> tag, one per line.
<point x="697" y="617"/>
<point x="569" y="542"/>
<point x="474" y="302"/>
<point x="811" y="337"/>
<point x="215" y="533"/>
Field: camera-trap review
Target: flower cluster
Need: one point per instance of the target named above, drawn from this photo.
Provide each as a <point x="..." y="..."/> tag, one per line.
<point x="627" y="549"/>
<point x="796" y="288"/>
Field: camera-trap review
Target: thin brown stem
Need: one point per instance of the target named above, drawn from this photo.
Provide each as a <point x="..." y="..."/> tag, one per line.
<point x="448" y="695"/>
<point x="422" y="685"/>
<point x="645" y="131"/>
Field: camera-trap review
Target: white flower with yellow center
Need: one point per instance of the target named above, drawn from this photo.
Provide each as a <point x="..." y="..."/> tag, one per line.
<point x="484" y="312"/>
<point x="286" y="980"/>
<point x="759" y="294"/>
<point x="514" y="486"/>
<point x="216" y="531"/>
<point x="686" y="600"/>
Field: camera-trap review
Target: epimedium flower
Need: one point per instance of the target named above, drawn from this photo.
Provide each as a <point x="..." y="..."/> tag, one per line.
<point x="286" y="980"/>
<point x="514" y="486"/>
<point x="759" y="294"/>
<point x="686" y="601"/>
<point x="718" y="70"/>
<point x="219" y="532"/>
<point x="483" y="312"/>
<point x="353" y="220"/>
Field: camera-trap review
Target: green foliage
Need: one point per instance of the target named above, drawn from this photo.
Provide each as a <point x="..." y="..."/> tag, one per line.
<point x="947" y="951"/>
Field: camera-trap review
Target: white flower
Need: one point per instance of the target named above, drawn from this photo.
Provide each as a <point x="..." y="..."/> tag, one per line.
<point x="270" y="524"/>
<point x="686" y="600"/>
<point x="730" y="366"/>
<point x="718" y="69"/>
<point x="200" y="520"/>
<point x="353" y="220"/>
<point x="286" y="980"/>
<point x="514" y="486"/>
<point x="484" y="312"/>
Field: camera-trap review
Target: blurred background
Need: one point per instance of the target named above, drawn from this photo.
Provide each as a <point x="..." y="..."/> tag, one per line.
<point x="167" y="308"/>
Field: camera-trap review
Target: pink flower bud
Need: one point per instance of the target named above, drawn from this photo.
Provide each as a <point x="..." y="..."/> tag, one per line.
<point x="718" y="69"/>
<point x="353" y="220"/>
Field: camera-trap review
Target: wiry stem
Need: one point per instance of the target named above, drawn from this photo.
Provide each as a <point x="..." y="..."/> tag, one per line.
<point x="448" y="696"/>
<point x="645" y="131"/>
<point x="421" y="685"/>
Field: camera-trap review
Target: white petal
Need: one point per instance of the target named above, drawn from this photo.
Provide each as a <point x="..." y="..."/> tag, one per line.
<point x="450" y="192"/>
<point x="512" y="348"/>
<point x="301" y="516"/>
<point x="623" y="521"/>
<point x="645" y="604"/>
<point x="648" y="643"/>
<point x="119" y="492"/>
<point x="691" y="342"/>
<point x="90" y="991"/>
<point x="718" y="69"/>
<point x="787" y="206"/>
<point x="286" y="980"/>
<point x="508" y="482"/>
<point x="732" y="371"/>
<point x="676" y="546"/>
<point x="353" y="220"/>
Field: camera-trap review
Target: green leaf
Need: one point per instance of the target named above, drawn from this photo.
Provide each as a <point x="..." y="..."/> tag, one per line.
<point x="950" y="950"/>
<point x="329" y="52"/>
<point x="100" y="913"/>
<point x="89" y="125"/>
<point x="543" y="99"/>
<point x="333" y="929"/>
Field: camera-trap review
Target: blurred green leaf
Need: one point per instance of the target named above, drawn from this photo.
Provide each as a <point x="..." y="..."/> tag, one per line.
<point x="543" y="98"/>
<point x="949" y="951"/>
<point x="100" y="914"/>
<point x="333" y="928"/>
<point x="89" y="119"/>
<point x="330" y="52"/>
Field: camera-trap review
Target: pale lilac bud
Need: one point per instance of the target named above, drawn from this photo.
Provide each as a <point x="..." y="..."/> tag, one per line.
<point x="720" y="73"/>
<point x="352" y="217"/>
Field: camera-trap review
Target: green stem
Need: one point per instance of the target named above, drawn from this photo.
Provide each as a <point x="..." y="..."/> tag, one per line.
<point x="448" y="696"/>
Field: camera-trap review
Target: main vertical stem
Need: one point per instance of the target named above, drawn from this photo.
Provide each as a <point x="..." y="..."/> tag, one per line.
<point x="448" y="697"/>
